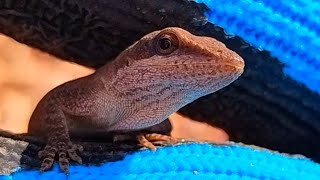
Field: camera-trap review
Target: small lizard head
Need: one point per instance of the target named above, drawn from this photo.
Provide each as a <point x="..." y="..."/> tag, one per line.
<point x="175" y="58"/>
<point x="167" y="69"/>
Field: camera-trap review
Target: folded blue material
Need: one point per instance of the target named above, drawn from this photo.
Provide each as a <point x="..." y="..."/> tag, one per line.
<point x="289" y="29"/>
<point x="191" y="161"/>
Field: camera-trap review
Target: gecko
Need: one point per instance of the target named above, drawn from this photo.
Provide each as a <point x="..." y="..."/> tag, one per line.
<point x="151" y="79"/>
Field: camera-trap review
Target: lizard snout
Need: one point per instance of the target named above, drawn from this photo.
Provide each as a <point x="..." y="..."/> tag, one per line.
<point x="235" y="63"/>
<point x="238" y="62"/>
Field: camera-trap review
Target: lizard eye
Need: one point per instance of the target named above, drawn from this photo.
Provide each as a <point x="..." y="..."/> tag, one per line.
<point x="166" y="44"/>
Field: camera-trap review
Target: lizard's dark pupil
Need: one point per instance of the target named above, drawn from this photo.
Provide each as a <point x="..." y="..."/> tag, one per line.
<point x="164" y="43"/>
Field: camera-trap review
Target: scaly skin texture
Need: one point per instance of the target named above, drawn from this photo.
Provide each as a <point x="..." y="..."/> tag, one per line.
<point x="156" y="76"/>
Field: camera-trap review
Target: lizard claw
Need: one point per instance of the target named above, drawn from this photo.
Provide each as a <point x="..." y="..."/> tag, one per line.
<point x="144" y="142"/>
<point x="150" y="140"/>
<point x="64" y="151"/>
<point x="64" y="164"/>
<point x="72" y="152"/>
<point x="47" y="155"/>
<point x="46" y="164"/>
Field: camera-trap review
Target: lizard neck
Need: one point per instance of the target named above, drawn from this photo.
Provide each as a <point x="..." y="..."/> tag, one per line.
<point x="152" y="102"/>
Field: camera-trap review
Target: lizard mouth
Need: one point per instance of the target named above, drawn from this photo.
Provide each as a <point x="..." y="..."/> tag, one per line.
<point x="238" y="66"/>
<point x="226" y="68"/>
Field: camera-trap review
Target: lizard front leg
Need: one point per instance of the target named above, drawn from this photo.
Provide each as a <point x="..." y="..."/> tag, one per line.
<point x="150" y="140"/>
<point x="58" y="142"/>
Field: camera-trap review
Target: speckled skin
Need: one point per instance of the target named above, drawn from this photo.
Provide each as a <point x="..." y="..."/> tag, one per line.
<point x="156" y="76"/>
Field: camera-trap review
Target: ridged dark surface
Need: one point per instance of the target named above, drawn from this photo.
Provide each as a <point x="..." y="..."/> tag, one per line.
<point x="263" y="107"/>
<point x="95" y="152"/>
<point x="91" y="32"/>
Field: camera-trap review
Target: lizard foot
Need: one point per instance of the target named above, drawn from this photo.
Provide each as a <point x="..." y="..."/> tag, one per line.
<point x="150" y="140"/>
<point x="64" y="151"/>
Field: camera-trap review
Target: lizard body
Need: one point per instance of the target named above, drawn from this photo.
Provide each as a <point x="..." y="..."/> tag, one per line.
<point x="162" y="72"/>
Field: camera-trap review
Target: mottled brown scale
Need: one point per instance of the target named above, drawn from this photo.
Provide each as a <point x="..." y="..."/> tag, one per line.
<point x="156" y="76"/>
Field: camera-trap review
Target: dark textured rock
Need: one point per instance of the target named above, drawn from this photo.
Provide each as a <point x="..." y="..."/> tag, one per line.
<point x="263" y="107"/>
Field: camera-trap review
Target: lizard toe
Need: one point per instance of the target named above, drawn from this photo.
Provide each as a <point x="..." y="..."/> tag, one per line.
<point x="47" y="156"/>
<point x="145" y="142"/>
<point x="64" y="150"/>
<point x="150" y="140"/>
<point x="72" y="152"/>
<point x="161" y="139"/>
<point x="49" y="151"/>
<point x="46" y="164"/>
<point x="74" y="156"/>
<point x="64" y="164"/>
<point x="76" y="147"/>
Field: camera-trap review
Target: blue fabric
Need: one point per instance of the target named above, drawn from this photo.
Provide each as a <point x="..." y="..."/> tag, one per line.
<point x="289" y="29"/>
<point x="191" y="161"/>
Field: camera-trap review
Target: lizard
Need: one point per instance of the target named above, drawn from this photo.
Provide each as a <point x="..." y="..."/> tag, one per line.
<point x="151" y="79"/>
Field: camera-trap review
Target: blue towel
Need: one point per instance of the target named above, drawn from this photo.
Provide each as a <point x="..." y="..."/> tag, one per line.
<point x="191" y="161"/>
<point x="290" y="30"/>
